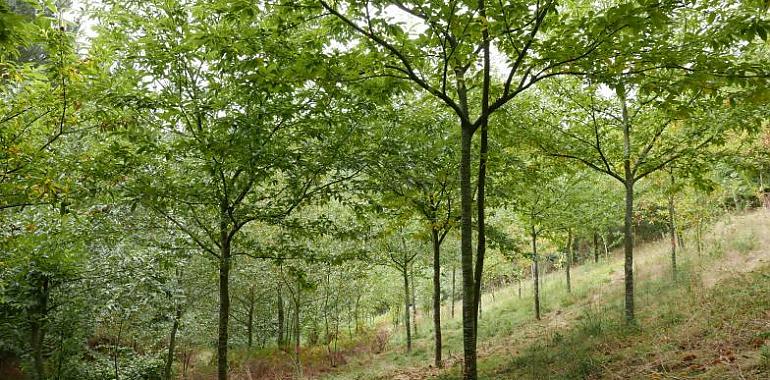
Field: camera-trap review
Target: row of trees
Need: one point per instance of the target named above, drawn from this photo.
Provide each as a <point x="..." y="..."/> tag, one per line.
<point x="265" y="162"/>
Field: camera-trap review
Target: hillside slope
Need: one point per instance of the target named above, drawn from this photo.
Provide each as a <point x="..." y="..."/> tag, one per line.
<point x="713" y="323"/>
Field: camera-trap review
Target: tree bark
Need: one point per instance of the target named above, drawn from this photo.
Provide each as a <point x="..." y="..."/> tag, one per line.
<point x="407" y="324"/>
<point x="250" y="319"/>
<point x="358" y="325"/>
<point x="672" y="230"/>
<point x="38" y="328"/>
<point x="466" y="257"/>
<point x="569" y="260"/>
<point x="172" y="344"/>
<point x="629" y="211"/>
<point x="481" y="245"/>
<point x="452" y="312"/>
<point x="535" y="273"/>
<point x="280" y="333"/>
<point x="414" y="304"/>
<point x="699" y="237"/>
<point x="289" y="325"/>
<point x="596" y="247"/>
<point x="483" y="120"/>
<point x="297" y="330"/>
<point x="437" y="297"/>
<point x="224" y="306"/>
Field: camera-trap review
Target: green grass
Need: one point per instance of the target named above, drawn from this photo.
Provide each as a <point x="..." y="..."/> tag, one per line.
<point x="704" y="325"/>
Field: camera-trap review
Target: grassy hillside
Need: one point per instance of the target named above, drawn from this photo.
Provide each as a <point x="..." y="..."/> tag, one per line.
<point x="713" y="323"/>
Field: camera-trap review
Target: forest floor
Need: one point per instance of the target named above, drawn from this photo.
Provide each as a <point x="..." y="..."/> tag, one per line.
<point x="712" y="323"/>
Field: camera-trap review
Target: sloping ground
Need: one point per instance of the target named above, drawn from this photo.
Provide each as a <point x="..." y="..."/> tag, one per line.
<point x="713" y="323"/>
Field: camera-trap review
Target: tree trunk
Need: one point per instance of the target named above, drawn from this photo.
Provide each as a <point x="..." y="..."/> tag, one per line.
<point x="466" y="257"/>
<point x="437" y="297"/>
<point x="452" y="310"/>
<point x="172" y="343"/>
<point x="250" y="319"/>
<point x="569" y="260"/>
<point x="358" y="325"/>
<point x="481" y="245"/>
<point x="116" y="352"/>
<point x="407" y="324"/>
<point x="414" y="305"/>
<point x="280" y="318"/>
<point x="297" y="330"/>
<point x="596" y="247"/>
<point x="476" y="279"/>
<point x="37" y="330"/>
<point x="629" y="256"/>
<point x="699" y="236"/>
<point x="224" y="306"/>
<point x="519" y="281"/>
<point x="629" y="211"/>
<point x="535" y="273"/>
<point x="350" y="320"/>
<point x="672" y="230"/>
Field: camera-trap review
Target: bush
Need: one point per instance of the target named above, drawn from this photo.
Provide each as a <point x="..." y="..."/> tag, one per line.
<point x="134" y="367"/>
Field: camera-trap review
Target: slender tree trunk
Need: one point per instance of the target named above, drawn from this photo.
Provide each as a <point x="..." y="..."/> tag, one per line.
<point x="297" y="330"/>
<point x="569" y="260"/>
<point x="172" y="344"/>
<point x="327" y="338"/>
<point x="437" y="297"/>
<point x="280" y="317"/>
<point x="672" y="230"/>
<point x="470" y="372"/>
<point x="61" y="354"/>
<point x="407" y="324"/>
<point x="116" y="351"/>
<point x="535" y="273"/>
<point x="699" y="236"/>
<point x="519" y="281"/>
<point x="452" y="312"/>
<point x="414" y="305"/>
<point x="37" y="330"/>
<point x="350" y="320"/>
<point x="224" y="306"/>
<point x="289" y="325"/>
<point x="358" y="326"/>
<point x="250" y="319"/>
<point x="596" y="247"/>
<point x="629" y="211"/>
<point x="466" y="257"/>
<point x="481" y="234"/>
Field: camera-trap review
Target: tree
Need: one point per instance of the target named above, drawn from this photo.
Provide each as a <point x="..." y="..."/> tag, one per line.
<point x="419" y="176"/>
<point x="230" y="131"/>
<point x="448" y="53"/>
<point x="630" y="130"/>
<point x="401" y="257"/>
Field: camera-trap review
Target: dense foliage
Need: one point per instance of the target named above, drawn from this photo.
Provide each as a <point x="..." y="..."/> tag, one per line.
<point x="185" y="184"/>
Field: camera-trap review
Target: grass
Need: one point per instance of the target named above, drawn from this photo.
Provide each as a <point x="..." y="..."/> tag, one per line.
<point x="708" y="324"/>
